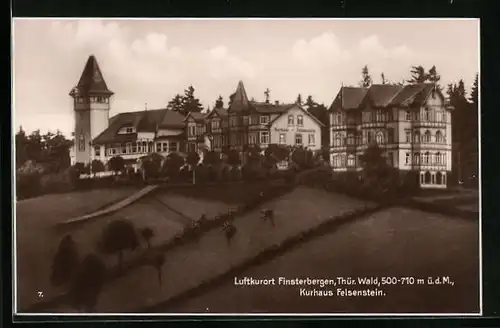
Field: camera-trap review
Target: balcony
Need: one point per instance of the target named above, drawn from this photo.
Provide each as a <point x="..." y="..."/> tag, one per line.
<point x="429" y="124"/>
<point x="346" y="126"/>
<point x="370" y="125"/>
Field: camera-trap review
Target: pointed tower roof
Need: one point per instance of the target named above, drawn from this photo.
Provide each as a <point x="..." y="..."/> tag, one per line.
<point x="239" y="99"/>
<point x="91" y="80"/>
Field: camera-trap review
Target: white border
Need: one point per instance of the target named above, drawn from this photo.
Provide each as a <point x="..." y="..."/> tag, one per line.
<point x="14" y="294"/>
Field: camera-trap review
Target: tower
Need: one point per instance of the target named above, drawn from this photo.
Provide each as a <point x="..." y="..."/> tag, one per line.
<point x="91" y="105"/>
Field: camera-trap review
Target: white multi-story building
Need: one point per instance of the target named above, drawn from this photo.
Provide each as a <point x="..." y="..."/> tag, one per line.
<point x="411" y="123"/>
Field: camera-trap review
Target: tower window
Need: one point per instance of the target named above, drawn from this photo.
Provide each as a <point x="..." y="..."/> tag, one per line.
<point x="97" y="151"/>
<point x="81" y="143"/>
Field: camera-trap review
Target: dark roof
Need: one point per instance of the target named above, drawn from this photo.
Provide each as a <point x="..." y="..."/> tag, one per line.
<point x="143" y="121"/>
<point x="349" y="98"/>
<point x="197" y="116"/>
<point x="239" y="99"/>
<point x="222" y="112"/>
<point x="380" y="95"/>
<point x="269" y="108"/>
<point x="91" y="81"/>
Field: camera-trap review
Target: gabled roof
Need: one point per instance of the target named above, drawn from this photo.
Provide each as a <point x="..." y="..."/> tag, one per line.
<point x="269" y="108"/>
<point x="287" y="107"/>
<point x="349" y="98"/>
<point x="239" y="99"/>
<point x="383" y="95"/>
<point x="91" y="81"/>
<point x="380" y="95"/>
<point x="197" y="116"/>
<point x="143" y="121"/>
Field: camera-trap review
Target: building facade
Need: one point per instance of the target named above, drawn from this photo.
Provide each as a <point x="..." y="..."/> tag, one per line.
<point x="411" y="123"/>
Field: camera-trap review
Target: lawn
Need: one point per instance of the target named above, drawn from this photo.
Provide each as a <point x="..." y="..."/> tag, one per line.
<point x="465" y="200"/>
<point x="188" y="265"/>
<point x="38" y="240"/>
<point x="393" y="242"/>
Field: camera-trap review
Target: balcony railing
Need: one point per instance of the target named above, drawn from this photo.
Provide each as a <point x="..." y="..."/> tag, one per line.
<point x="425" y="123"/>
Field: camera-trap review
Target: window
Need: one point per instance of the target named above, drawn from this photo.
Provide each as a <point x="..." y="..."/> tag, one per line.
<point x="81" y="143"/>
<point x="439" y="137"/>
<point x="390" y="135"/>
<point x="351" y="160"/>
<point x="379" y="116"/>
<point x="134" y="147"/>
<point x="290" y="119"/>
<point x="416" y="158"/>
<point x="150" y="147"/>
<point x="298" y="139"/>
<point x="338" y="140"/>
<point x="252" y="139"/>
<point x="338" y="118"/>
<point x="427" y="136"/>
<point x="427" y="114"/>
<point x="437" y="158"/>
<point x="422" y="178"/>
<point x="443" y="118"/>
<point x="300" y="120"/>
<point x="408" y="115"/>
<point x="342" y="160"/>
<point x="439" y="178"/>
<point x="233" y="121"/>
<point x="254" y="119"/>
<point x="433" y="178"/>
<point x="350" y="139"/>
<point x="245" y="120"/>
<point x="264" y="137"/>
<point x="173" y="146"/>
<point x="164" y="147"/>
<point x="123" y="149"/>
<point x="426" y="158"/>
<point x="282" y="138"/>
<point x="158" y="147"/>
<point x="311" y="139"/>
<point x="264" y="119"/>
<point x="215" y="124"/>
<point x="416" y="137"/>
<point x="380" y="138"/>
<point x="335" y="161"/>
<point x="438" y="116"/>
<point x="408" y="136"/>
<point x="427" y="178"/>
<point x="407" y="159"/>
<point x="97" y="151"/>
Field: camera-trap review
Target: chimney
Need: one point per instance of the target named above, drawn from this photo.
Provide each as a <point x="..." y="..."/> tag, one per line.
<point x="276" y="102"/>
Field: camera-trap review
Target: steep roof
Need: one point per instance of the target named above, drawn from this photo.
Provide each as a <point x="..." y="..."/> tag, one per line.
<point x="239" y="99"/>
<point x="91" y="81"/>
<point x="380" y="95"/>
<point x="197" y="116"/>
<point x="349" y="98"/>
<point x="143" y="121"/>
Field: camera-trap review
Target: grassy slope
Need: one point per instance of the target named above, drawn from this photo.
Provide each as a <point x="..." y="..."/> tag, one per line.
<point x="190" y="264"/>
<point x="394" y="242"/>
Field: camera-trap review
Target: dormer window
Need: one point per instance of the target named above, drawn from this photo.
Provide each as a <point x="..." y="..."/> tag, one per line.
<point x="264" y="119"/>
<point x="126" y="130"/>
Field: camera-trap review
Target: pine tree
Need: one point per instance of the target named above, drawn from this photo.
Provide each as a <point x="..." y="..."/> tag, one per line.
<point x="418" y="75"/>
<point x="175" y="104"/>
<point x="366" y="77"/>
<point x="474" y="93"/>
<point x="382" y="77"/>
<point x="267" y="93"/>
<point x="219" y="103"/>
<point x="310" y="103"/>
<point x="189" y="102"/>
<point x="434" y="77"/>
<point x="299" y="100"/>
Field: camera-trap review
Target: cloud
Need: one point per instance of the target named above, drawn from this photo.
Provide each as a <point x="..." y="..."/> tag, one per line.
<point x="221" y="64"/>
<point x="371" y="46"/>
<point x="324" y="49"/>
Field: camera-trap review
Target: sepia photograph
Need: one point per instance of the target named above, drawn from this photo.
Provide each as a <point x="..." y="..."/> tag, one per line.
<point x="246" y="166"/>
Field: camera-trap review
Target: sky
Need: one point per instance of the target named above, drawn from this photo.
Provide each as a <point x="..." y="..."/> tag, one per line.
<point x="149" y="61"/>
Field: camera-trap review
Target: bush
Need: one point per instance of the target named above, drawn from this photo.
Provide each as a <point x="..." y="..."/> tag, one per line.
<point x="58" y="182"/>
<point x="28" y="185"/>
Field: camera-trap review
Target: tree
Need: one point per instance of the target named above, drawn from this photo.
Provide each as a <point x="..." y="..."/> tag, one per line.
<point x="192" y="160"/>
<point x="418" y="75"/>
<point x="151" y="165"/>
<point x="299" y="100"/>
<point x="147" y="233"/>
<point x="211" y="158"/>
<point x="88" y="283"/>
<point x="118" y="236"/>
<point x="219" y="103"/>
<point x="382" y="77"/>
<point x="65" y="263"/>
<point x="233" y="157"/>
<point x="116" y="164"/>
<point x="175" y="104"/>
<point x="189" y="102"/>
<point x="377" y="173"/>
<point x="253" y="155"/>
<point x="97" y="166"/>
<point x="366" y="80"/>
<point x="310" y="102"/>
<point x="302" y="157"/>
<point x="172" y="165"/>
<point x="474" y="93"/>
